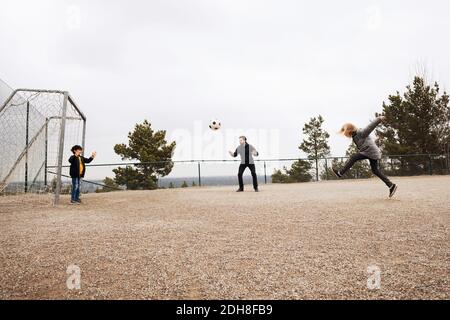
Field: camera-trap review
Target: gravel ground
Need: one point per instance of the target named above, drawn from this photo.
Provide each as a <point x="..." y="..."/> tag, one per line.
<point x="298" y="241"/>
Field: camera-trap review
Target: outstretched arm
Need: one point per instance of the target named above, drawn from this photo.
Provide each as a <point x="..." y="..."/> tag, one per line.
<point x="233" y="154"/>
<point x="88" y="160"/>
<point x="368" y="130"/>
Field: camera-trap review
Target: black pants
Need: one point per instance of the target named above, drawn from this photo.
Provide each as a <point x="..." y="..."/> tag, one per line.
<point x="252" y="170"/>
<point x="374" y="165"/>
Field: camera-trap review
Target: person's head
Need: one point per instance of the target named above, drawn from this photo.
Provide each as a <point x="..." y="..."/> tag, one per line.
<point x="76" y="150"/>
<point x="242" y="139"/>
<point x="348" y="130"/>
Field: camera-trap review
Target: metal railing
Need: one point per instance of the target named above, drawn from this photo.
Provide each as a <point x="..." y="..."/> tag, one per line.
<point x="393" y="165"/>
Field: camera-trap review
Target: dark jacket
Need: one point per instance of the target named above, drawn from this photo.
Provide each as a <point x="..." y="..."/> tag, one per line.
<point x="75" y="166"/>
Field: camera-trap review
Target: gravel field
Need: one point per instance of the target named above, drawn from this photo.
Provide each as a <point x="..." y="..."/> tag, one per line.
<point x="296" y="241"/>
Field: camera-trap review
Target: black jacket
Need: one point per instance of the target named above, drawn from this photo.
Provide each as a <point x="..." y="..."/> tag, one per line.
<point x="75" y="166"/>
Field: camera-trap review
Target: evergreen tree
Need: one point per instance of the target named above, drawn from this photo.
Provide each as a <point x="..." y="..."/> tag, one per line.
<point x="150" y="148"/>
<point x="298" y="172"/>
<point x="315" y="144"/>
<point x="417" y="122"/>
<point x="110" y="185"/>
<point x="279" y="176"/>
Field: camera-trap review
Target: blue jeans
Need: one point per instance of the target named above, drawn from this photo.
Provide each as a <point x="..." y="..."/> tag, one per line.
<point x="76" y="186"/>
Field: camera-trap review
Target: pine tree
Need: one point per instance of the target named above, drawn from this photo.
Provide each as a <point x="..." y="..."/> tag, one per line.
<point x="417" y="122"/>
<point x="280" y="176"/>
<point x="315" y="144"/>
<point x="110" y="185"/>
<point x="149" y="147"/>
<point x="298" y="172"/>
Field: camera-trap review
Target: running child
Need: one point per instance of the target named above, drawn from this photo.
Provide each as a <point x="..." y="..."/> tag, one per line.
<point x="77" y="171"/>
<point x="367" y="150"/>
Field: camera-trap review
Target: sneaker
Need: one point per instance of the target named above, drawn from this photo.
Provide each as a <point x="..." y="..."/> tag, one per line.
<point x="336" y="173"/>
<point x="78" y="200"/>
<point x="240" y="190"/>
<point x="256" y="190"/>
<point x="392" y="190"/>
<point x="74" y="202"/>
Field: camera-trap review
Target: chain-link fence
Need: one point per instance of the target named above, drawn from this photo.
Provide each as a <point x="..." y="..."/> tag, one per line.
<point x="224" y="172"/>
<point x="37" y="128"/>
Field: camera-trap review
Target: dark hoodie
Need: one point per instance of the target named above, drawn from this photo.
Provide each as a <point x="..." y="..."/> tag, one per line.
<point x="75" y="166"/>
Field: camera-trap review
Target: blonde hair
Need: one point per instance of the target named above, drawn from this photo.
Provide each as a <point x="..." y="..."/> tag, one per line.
<point x="348" y="129"/>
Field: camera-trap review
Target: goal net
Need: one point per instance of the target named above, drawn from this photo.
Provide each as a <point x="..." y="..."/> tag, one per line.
<point x="37" y="130"/>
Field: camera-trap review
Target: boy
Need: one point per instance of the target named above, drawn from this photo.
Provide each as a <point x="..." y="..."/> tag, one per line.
<point x="246" y="151"/>
<point x="367" y="150"/>
<point x="77" y="171"/>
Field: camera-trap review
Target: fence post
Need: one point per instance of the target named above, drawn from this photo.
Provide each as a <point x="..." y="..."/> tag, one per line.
<point x="46" y="154"/>
<point x="199" y="175"/>
<point x="83" y="136"/>
<point x="431" y="165"/>
<point x="265" y="173"/>
<point x="447" y="158"/>
<point x="62" y="131"/>
<point x="27" y="132"/>
<point x="448" y="161"/>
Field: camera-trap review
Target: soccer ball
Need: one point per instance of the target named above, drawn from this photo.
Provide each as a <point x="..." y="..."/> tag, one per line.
<point x="214" y="125"/>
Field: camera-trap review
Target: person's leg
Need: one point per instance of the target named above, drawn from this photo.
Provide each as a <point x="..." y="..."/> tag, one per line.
<point x="375" y="166"/>
<point x="78" y="189"/>
<point x="74" y="189"/>
<point x="254" y="176"/>
<point x="240" y="173"/>
<point x="351" y="162"/>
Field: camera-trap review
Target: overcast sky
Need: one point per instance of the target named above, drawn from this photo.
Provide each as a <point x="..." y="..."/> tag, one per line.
<point x="261" y="67"/>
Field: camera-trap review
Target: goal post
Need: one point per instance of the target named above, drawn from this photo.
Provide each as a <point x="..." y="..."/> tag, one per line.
<point x="62" y="133"/>
<point x="37" y="129"/>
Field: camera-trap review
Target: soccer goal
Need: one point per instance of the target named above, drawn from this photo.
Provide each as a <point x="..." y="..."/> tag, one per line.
<point x="37" y="129"/>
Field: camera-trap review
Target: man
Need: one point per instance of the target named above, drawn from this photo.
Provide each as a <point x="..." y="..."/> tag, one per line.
<point x="246" y="151"/>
